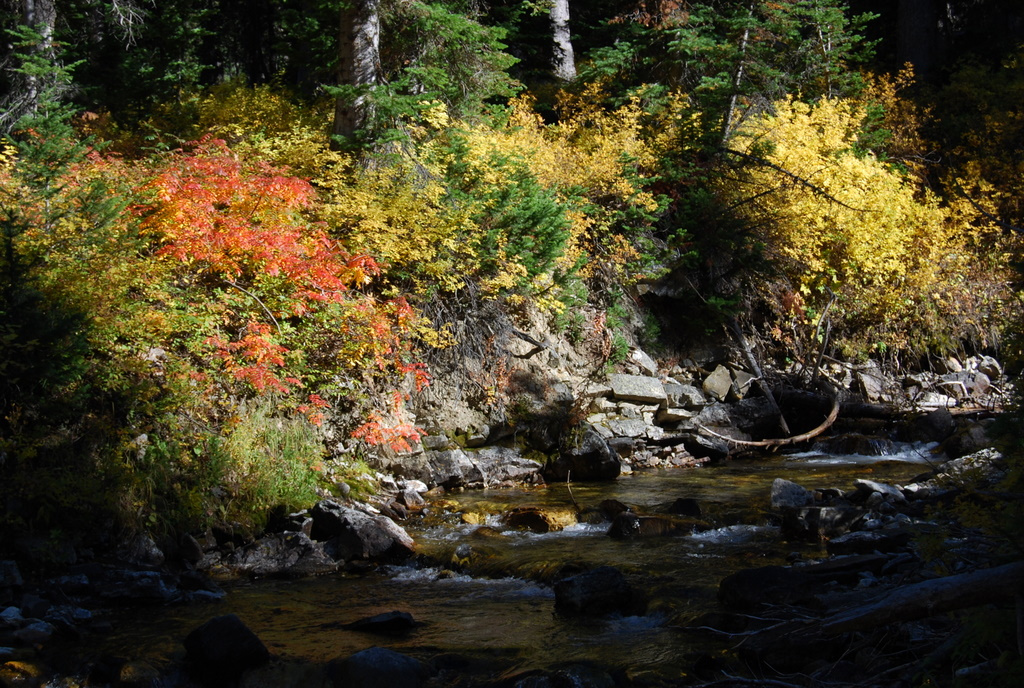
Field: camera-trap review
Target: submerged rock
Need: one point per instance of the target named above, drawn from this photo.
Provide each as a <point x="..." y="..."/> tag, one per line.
<point x="540" y="520"/>
<point x="378" y="667"/>
<point x="222" y="649"/>
<point x="630" y="525"/>
<point x="388" y="623"/>
<point x="603" y="590"/>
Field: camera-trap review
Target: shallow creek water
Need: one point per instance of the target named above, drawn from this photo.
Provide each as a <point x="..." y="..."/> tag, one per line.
<point x="502" y="612"/>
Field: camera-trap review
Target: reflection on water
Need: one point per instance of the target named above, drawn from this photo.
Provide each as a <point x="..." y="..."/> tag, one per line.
<point x="502" y="609"/>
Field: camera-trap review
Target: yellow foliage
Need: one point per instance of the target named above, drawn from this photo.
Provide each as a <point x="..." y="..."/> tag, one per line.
<point x="844" y="223"/>
<point x="265" y="123"/>
<point x="399" y="218"/>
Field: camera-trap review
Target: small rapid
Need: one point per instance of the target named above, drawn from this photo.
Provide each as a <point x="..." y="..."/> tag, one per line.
<point x="482" y="590"/>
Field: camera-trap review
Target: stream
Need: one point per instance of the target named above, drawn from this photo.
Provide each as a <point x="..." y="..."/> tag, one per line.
<point x="500" y="612"/>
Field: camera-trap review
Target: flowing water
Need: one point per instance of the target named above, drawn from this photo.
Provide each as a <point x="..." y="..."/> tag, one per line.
<point x="501" y="610"/>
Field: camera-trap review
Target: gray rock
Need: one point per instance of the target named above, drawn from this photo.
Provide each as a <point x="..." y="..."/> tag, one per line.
<point x="866" y="542"/>
<point x="291" y="554"/>
<point x="477" y="437"/>
<point x="448" y="468"/>
<point x="982" y="385"/>
<point x="684" y="396"/>
<point x="639" y="388"/>
<point x="627" y="427"/>
<point x="990" y="366"/>
<point x="742" y="380"/>
<point x="718" y="385"/>
<point x="435" y="442"/>
<point x="353" y="534"/>
<point x="934" y="426"/>
<point x="11" y="618"/>
<point x="496" y="465"/>
<point x="786" y="493"/>
<point x="668" y="416"/>
<point x="816" y="523"/>
<point x="871" y="381"/>
<point x="889" y="492"/>
<point x="647" y="363"/>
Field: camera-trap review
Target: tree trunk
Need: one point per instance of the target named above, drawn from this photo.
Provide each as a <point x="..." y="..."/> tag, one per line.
<point x="359" y="65"/>
<point x="29" y="86"/>
<point x="563" y="60"/>
<point x="931" y="597"/>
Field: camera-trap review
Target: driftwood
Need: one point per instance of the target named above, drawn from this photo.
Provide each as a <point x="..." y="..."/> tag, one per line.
<point x="931" y="597"/>
<point x="783" y="441"/>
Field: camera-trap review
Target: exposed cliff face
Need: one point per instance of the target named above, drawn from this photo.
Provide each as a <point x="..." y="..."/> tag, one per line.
<point x="526" y="381"/>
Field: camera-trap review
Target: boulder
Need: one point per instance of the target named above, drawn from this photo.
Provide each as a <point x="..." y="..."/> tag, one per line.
<point x="497" y="465"/>
<point x="934" y="426"/>
<point x="601" y="591"/>
<point x="684" y="396"/>
<point x="788" y="494"/>
<point x="540" y="520"/>
<point x="816" y="523"/>
<point x="377" y="667"/>
<point x="890" y="493"/>
<point x="219" y="651"/>
<point x="590" y="459"/>
<point x="718" y="385"/>
<point x="686" y="506"/>
<point x="868" y="541"/>
<point x="353" y="534"/>
<point x="638" y="388"/>
<point x="990" y="367"/>
<point x="626" y="427"/>
<point x="972" y="438"/>
<point x="872" y="382"/>
<point x="291" y="555"/>
<point x="646" y="363"/>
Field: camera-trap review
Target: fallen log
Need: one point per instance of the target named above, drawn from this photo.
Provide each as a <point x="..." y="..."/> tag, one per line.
<point x="938" y="596"/>
<point x="782" y="441"/>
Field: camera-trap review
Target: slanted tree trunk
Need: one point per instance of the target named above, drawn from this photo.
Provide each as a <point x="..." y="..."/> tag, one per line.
<point x="563" y="60"/>
<point x="358" y="65"/>
<point x="931" y="597"/>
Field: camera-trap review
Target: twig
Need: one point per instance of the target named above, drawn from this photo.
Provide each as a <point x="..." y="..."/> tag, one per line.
<point x="803" y="182"/>
<point x="257" y="300"/>
<point x="568" y="486"/>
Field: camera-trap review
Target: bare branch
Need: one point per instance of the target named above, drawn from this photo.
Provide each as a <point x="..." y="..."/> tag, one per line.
<point x="814" y="188"/>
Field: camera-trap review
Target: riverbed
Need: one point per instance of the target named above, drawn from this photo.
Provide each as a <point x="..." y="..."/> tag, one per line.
<point x="499" y="610"/>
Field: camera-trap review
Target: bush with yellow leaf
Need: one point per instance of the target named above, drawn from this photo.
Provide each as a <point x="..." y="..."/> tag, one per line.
<point x="835" y="220"/>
